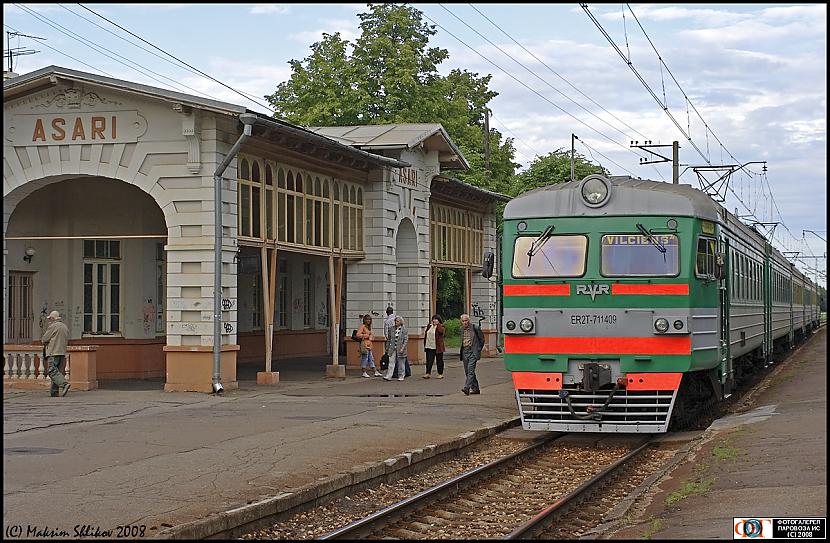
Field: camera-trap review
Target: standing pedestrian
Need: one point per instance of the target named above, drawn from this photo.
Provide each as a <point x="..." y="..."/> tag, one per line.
<point x="367" y="358"/>
<point x="389" y="324"/>
<point x="396" y="349"/>
<point x="434" y="345"/>
<point x="55" y="339"/>
<point x="472" y="341"/>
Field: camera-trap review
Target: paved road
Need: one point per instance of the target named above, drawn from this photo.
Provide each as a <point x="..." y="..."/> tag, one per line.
<point x="139" y="456"/>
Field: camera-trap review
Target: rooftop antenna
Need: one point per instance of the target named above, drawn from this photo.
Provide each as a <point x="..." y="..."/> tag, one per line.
<point x="18" y="51"/>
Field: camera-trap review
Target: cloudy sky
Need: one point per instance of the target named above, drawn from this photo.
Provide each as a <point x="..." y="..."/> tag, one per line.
<point x="750" y="79"/>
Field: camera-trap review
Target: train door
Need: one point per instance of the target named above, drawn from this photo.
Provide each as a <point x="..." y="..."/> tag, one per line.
<point x="724" y="285"/>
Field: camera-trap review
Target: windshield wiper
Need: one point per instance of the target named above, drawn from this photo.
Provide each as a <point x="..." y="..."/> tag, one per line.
<point x="538" y="242"/>
<point x="650" y="238"/>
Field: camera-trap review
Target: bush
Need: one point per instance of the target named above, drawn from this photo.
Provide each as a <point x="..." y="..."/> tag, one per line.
<point x="452" y="333"/>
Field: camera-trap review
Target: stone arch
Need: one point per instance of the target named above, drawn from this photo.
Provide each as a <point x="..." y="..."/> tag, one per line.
<point x="406" y="243"/>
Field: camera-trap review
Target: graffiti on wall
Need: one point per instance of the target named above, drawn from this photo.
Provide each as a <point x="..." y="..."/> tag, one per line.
<point x="149" y="316"/>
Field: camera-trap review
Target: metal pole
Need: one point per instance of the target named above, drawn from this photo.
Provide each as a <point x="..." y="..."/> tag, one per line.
<point x="675" y="163"/>
<point x="573" y="137"/>
<point x="248" y="120"/>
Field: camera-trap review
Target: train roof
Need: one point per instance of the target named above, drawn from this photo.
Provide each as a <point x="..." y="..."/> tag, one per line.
<point x="628" y="196"/>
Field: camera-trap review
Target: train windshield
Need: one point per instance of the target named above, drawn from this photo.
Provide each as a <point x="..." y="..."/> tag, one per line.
<point x="559" y="256"/>
<point x="637" y="255"/>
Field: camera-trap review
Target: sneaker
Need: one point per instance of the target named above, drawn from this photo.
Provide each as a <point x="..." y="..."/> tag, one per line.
<point x="426" y="376"/>
<point x="366" y="375"/>
<point x="440" y="375"/>
<point x="385" y="378"/>
<point x="400" y="378"/>
<point x="466" y="391"/>
<point x="378" y="374"/>
<point x="64" y="389"/>
<point x="475" y="392"/>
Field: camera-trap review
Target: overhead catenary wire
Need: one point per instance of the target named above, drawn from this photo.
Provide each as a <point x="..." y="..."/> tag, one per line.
<point x="94" y="68"/>
<point x="244" y="95"/>
<point x="103" y="50"/>
<point x="706" y="157"/>
<point x="546" y="99"/>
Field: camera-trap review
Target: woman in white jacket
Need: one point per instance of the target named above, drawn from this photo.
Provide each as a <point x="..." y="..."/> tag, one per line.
<point x="396" y="350"/>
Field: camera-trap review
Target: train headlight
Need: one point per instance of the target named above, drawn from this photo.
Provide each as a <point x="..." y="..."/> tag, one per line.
<point x="594" y="190"/>
<point x="661" y="325"/>
<point x="526" y="325"/>
<point x="678" y="325"/>
<point x="511" y="325"/>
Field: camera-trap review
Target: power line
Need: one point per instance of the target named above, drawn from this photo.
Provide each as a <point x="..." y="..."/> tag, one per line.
<point x="248" y="97"/>
<point x="98" y="48"/>
<point x="139" y="47"/>
<point x="515" y="138"/>
<point x="705" y="124"/>
<point x="664" y="106"/>
<point x="630" y="64"/>
<point x="563" y="78"/>
<point x="525" y="85"/>
<point x="66" y="55"/>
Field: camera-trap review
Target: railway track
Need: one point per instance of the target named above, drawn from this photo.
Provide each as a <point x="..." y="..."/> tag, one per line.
<point x="515" y="497"/>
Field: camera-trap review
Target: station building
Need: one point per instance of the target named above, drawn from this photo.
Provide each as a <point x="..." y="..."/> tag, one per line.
<point x="108" y="217"/>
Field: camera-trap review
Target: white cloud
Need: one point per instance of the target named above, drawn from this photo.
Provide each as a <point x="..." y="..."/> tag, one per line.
<point x="348" y="29"/>
<point x="270" y="9"/>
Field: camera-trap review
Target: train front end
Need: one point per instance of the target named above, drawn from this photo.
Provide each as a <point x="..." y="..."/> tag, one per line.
<point x="599" y="278"/>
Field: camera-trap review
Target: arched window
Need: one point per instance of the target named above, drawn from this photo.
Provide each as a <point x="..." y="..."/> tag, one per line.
<point x="244" y="169"/>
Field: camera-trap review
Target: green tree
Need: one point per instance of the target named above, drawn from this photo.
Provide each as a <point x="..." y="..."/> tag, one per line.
<point x="391" y="76"/>
<point x="555" y="167"/>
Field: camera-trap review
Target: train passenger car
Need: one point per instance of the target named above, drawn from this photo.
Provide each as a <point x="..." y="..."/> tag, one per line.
<point x="628" y="301"/>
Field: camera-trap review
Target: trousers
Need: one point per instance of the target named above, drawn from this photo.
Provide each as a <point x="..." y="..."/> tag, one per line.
<point x="54" y="372"/>
<point x="470" y="362"/>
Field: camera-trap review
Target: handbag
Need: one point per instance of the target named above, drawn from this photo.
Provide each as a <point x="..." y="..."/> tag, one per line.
<point x="384" y="362"/>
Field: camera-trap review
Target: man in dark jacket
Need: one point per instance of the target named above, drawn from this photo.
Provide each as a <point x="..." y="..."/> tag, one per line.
<point x="472" y="341"/>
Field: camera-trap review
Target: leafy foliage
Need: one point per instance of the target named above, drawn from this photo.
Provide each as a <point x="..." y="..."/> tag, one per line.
<point x="555" y="167"/>
<point x="390" y="75"/>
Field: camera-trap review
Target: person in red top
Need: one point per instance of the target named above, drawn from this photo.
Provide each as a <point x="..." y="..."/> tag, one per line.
<point x="434" y="345"/>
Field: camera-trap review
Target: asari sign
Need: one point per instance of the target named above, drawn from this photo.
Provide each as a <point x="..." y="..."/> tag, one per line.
<point x="63" y="129"/>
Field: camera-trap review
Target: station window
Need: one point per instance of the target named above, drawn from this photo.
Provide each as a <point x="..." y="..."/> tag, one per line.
<point x="456" y="235"/>
<point x="283" y="294"/>
<point x="293" y="206"/>
<point x="102" y="287"/>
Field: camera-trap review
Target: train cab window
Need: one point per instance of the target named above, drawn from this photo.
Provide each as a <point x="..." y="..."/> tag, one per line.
<point x="705" y="262"/>
<point x="635" y="255"/>
<point x="555" y="256"/>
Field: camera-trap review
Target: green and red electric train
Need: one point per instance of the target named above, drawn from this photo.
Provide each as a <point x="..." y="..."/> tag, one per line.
<point x="630" y="303"/>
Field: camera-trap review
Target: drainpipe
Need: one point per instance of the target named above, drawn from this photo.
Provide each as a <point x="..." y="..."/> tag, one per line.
<point x="248" y="120"/>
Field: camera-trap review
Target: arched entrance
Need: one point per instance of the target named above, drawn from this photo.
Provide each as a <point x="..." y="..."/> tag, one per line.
<point x="406" y="253"/>
<point x="94" y="251"/>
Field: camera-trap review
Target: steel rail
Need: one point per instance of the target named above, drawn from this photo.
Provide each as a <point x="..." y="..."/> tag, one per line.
<point x="561" y="506"/>
<point x="363" y="527"/>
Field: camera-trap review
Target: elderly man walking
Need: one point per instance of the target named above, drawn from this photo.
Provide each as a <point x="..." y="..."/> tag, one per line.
<point x="472" y="341"/>
<point x="55" y="339"/>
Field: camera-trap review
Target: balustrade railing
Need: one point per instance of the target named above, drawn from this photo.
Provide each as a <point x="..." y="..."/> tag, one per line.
<point x="26" y="364"/>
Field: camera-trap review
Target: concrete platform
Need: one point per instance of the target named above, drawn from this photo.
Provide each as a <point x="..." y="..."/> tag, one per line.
<point x="770" y="461"/>
<point x="130" y="453"/>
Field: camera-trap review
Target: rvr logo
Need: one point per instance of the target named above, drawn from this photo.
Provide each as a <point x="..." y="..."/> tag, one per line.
<point x="593" y="290"/>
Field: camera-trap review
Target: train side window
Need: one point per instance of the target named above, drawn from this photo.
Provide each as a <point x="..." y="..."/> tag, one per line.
<point x="705" y="262"/>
